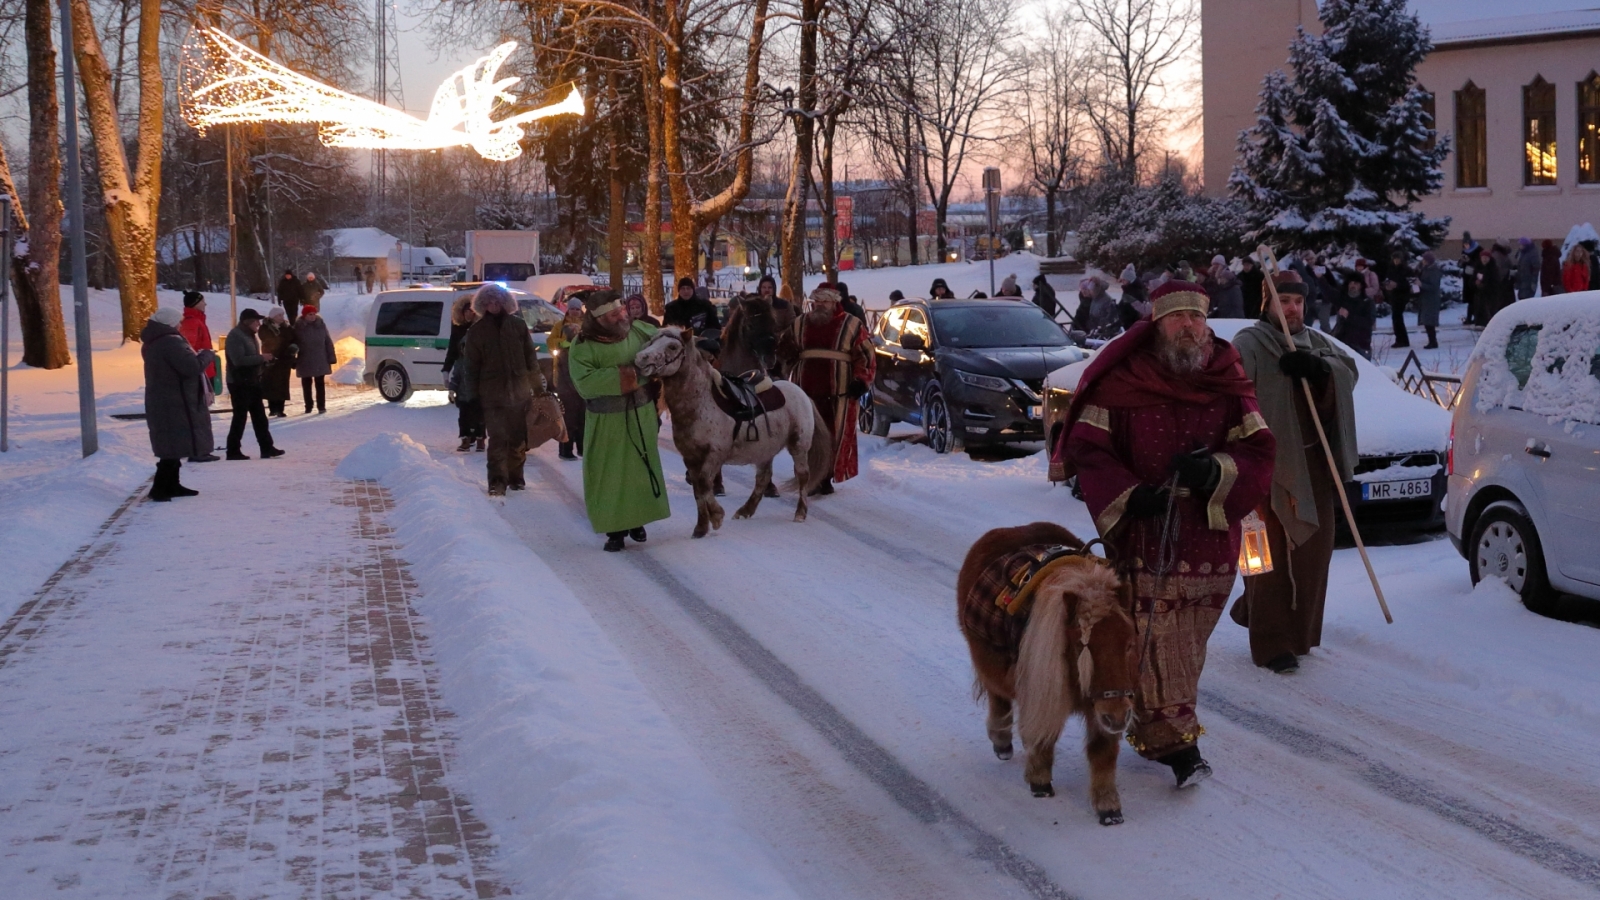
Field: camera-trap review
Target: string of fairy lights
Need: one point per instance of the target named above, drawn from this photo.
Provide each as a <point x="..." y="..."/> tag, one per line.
<point x="221" y="82"/>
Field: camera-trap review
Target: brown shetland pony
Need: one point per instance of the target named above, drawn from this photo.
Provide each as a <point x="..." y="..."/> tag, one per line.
<point x="1078" y="654"/>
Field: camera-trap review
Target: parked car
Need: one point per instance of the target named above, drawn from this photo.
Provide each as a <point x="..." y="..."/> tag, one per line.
<point x="1400" y="442"/>
<point x="408" y="332"/>
<point x="1524" y="462"/>
<point x="969" y="372"/>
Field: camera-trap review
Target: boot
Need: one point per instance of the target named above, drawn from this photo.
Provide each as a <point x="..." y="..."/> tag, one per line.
<point x="166" y="477"/>
<point x="466" y="444"/>
<point x="564" y="450"/>
<point x="614" y="541"/>
<point x="1187" y="766"/>
<point x="481" y="445"/>
<point x="1283" y="663"/>
<point x="1433" y="339"/>
<point x="638" y="535"/>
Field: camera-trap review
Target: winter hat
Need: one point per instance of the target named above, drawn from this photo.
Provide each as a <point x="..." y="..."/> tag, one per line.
<point x="309" y="308"/>
<point x="896" y="295"/>
<point x="1219" y="260"/>
<point x="574" y="305"/>
<point x="686" y="282"/>
<point x="1429" y="259"/>
<point x="276" y="313"/>
<point x="1128" y="273"/>
<point x="191" y="299"/>
<point x="1178" y="295"/>
<point x="248" y="315"/>
<point x="1525" y="243"/>
<point x="1289" y="282"/>
<point x="598" y="303"/>
<point x="167" y="316"/>
<point x="493" y="298"/>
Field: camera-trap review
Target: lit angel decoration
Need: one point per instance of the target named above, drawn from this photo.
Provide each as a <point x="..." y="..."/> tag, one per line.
<point x="221" y="81"/>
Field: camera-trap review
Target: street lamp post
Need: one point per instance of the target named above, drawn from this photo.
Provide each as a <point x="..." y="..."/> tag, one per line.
<point x="991" y="198"/>
<point x="80" y="266"/>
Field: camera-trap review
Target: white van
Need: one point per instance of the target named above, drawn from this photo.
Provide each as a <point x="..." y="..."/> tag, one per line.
<point x="1524" y="462"/>
<point x="408" y="334"/>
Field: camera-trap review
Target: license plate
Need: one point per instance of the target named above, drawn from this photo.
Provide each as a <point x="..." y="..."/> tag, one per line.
<point x="1036" y="412"/>
<point x="1396" y="490"/>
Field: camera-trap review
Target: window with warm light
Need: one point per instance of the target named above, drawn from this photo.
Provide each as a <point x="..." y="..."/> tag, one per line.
<point x="1539" y="132"/>
<point x="1472" y="146"/>
<point x="1589" y="130"/>
<point x="1428" y="107"/>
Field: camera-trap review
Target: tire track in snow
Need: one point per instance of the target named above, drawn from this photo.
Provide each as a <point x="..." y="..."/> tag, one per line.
<point x="865" y="755"/>
<point x="1547" y="852"/>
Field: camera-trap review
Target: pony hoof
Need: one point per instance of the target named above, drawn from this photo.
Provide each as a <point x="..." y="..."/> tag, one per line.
<point x="698" y="533"/>
<point x="1042" y="790"/>
<point x="741" y="514"/>
<point x="1005" y="753"/>
<point x="800" y="517"/>
<point x="1110" y="817"/>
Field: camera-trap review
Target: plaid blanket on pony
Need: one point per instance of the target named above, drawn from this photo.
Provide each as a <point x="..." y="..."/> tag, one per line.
<point x="995" y="609"/>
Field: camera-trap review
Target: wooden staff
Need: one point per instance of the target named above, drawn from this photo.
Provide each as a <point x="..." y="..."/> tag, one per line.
<point x="1270" y="264"/>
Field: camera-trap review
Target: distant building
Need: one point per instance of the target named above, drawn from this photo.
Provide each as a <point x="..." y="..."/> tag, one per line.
<point x="1519" y="95"/>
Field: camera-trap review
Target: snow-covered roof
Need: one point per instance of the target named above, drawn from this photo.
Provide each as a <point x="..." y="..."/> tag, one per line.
<point x="362" y="243"/>
<point x="1455" y="22"/>
<point x="179" y="245"/>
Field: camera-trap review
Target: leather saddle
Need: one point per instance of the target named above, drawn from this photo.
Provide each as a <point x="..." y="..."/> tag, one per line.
<point x="746" y="397"/>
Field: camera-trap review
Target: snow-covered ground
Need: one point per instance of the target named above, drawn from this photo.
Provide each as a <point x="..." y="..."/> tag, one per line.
<point x="785" y="709"/>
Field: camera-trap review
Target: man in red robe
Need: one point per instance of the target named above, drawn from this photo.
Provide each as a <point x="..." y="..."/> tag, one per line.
<point x="1171" y="453"/>
<point x="831" y="359"/>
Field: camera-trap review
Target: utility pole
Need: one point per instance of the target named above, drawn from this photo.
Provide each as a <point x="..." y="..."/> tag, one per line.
<point x="80" y="266"/>
<point x="233" y="242"/>
<point x="5" y="320"/>
<point x="991" y="200"/>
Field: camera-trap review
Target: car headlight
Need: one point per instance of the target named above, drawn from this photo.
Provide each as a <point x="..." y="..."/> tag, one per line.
<point x="986" y="382"/>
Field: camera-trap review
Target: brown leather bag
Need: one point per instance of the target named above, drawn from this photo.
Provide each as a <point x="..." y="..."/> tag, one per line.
<point x="545" y="421"/>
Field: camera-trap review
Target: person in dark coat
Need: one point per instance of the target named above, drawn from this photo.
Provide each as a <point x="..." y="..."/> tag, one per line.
<point x="1354" y="311"/>
<point x="1251" y="279"/>
<point x="1397" y="293"/>
<point x="1528" y="266"/>
<point x="690" y="310"/>
<point x="314" y="288"/>
<point x="572" y="404"/>
<point x="1550" y="268"/>
<point x="639" y="309"/>
<point x="1429" y="297"/>
<point x="1135" y="303"/>
<point x="1499" y="279"/>
<point x="939" y="290"/>
<point x="360" y="282"/>
<point x="174" y="401"/>
<point x="1472" y="279"/>
<point x="246" y="365"/>
<point x="290" y="295"/>
<point x="849" y="303"/>
<point x="469" y="412"/>
<point x="1044" y="297"/>
<point x="1222" y="286"/>
<point x="316" y="356"/>
<point x="278" y="341"/>
<point x="503" y="374"/>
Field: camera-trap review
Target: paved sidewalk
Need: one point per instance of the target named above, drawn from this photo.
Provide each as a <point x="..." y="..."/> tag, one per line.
<point x="232" y="696"/>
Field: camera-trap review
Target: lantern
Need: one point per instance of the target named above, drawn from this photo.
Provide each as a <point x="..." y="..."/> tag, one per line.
<point x="1255" y="557"/>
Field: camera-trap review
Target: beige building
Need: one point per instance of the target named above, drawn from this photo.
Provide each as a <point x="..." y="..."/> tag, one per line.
<point x="1519" y="95"/>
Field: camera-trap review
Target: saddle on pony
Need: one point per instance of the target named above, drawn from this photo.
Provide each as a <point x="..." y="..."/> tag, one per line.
<point x="746" y="398"/>
<point x="995" y="609"/>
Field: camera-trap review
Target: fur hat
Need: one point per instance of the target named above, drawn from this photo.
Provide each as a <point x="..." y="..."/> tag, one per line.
<point x="825" y="295"/>
<point x="493" y="298"/>
<point x="1178" y="295"/>
<point x="191" y="299"/>
<point x="167" y="316"/>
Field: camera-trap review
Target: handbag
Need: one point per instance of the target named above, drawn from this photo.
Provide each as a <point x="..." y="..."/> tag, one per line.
<point x="545" y="419"/>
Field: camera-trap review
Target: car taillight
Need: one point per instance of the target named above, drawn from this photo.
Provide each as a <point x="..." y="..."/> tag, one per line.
<point x="1450" y="452"/>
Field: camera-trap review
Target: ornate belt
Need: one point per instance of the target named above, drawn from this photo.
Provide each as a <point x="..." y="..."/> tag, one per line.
<point x="615" y="403"/>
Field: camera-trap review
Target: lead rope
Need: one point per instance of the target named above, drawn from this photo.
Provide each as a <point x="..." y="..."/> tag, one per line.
<point x="629" y="425"/>
<point x="1166" y="556"/>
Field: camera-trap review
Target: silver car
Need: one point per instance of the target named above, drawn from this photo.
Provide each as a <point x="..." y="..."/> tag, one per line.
<point x="1524" y="464"/>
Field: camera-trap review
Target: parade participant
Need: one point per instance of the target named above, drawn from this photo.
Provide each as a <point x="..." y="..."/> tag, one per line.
<point x="830" y="356"/>
<point x="560" y="342"/>
<point x="1170" y="453"/>
<point x="246" y="366"/>
<point x="1283" y="608"/>
<point x="503" y="376"/>
<point x="174" y="401"/>
<point x="623" y="486"/>
<point x="690" y="310"/>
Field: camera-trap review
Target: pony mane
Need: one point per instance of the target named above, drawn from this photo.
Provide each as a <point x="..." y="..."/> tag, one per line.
<point x="1071" y="597"/>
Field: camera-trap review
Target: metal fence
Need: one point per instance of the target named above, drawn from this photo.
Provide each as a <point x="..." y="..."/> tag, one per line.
<point x="1439" y="387"/>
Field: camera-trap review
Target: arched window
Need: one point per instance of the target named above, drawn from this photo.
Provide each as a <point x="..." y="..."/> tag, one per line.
<point x="1539" y="132"/>
<point x="1472" y="146"/>
<point x="1589" y="130"/>
<point x="1429" y="107"/>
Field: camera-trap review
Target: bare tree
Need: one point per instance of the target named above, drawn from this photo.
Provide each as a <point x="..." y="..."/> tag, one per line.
<point x="1052" y="110"/>
<point x="1135" y="43"/>
<point x="963" y="61"/>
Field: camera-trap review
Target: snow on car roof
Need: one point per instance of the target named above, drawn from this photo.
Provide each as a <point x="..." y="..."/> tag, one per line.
<point x="1389" y="419"/>
<point x="1561" y="379"/>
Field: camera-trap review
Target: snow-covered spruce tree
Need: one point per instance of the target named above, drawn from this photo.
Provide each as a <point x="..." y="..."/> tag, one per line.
<point x="1340" y="153"/>
<point x="1158" y="224"/>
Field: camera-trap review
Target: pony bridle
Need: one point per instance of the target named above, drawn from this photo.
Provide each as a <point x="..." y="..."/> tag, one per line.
<point x="1086" y="551"/>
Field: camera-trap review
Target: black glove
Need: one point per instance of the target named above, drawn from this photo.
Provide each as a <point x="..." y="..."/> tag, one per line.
<point x="856" y="387"/>
<point x="1196" y="472"/>
<point x="1304" y="365"/>
<point x="1146" y="501"/>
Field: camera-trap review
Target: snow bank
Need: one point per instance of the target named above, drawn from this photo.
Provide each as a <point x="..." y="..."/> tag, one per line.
<point x="588" y="786"/>
<point x="351" y="372"/>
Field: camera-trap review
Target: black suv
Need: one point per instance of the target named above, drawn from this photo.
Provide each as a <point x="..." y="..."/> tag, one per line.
<point x="970" y="372"/>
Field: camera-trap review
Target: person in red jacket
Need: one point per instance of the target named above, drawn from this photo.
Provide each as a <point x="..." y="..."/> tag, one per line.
<point x="1575" y="274"/>
<point x="194" y="330"/>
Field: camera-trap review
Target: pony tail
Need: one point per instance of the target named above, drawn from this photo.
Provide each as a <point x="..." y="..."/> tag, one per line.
<point x="1043" y="688"/>
<point x="820" y="458"/>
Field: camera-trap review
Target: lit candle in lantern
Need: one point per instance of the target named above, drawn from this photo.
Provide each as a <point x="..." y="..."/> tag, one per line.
<point x="1255" y="557"/>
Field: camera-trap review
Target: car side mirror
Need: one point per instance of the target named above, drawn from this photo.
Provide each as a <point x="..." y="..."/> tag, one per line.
<point x="913" y="342"/>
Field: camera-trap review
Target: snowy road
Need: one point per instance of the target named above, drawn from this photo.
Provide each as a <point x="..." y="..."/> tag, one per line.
<point x="818" y="671"/>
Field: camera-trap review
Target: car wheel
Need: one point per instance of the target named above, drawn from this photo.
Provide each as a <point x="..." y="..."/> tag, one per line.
<point x="939" y="424"/>
<point x="1505" y="545"/>
<point x="870" y="419"/>
<point x="393" y="383"/>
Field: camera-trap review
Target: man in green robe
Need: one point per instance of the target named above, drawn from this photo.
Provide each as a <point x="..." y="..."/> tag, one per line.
<point x="623" y="486"/>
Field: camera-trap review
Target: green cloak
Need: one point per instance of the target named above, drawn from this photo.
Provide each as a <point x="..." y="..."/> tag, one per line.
<point x="623" y="485"/>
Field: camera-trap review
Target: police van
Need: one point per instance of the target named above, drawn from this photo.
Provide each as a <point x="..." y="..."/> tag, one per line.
<point x="408" y="334"/>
